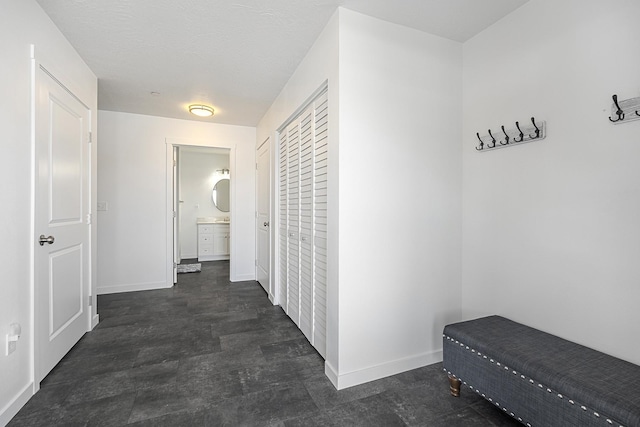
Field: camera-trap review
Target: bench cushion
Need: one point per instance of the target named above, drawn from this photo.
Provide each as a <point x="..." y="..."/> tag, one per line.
<point x="601" y="383"/>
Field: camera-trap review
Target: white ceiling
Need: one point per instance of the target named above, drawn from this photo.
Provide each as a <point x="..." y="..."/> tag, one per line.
<point x="235" y="55"/>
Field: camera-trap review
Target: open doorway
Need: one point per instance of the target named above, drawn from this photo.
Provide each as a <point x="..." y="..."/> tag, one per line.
<point x="198" y="174"/>
<point x="203" y="214"/>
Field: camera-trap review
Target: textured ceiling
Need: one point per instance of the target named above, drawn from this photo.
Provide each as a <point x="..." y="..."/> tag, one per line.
<point x="235" y="55"/>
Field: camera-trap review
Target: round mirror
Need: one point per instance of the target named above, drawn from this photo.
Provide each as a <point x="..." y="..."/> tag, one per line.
<point x="220" y="195"/>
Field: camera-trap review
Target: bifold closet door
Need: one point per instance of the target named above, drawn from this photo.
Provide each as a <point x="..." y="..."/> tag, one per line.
<point x="293" y="222"/>
<point x="320" y="152"/>
<point x="306" y="224"/>
<point x="303" y="221"/>
<point x="283" y="249"/>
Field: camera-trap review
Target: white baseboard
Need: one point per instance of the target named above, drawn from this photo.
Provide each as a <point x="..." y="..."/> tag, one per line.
<point x="331" y="373"/>
<point x="242" y="277"/>
<point x="114" y="289"/>
<point x="12" y="408"/>
<point x="94" y="321"/>
<point x="361" y="376"/>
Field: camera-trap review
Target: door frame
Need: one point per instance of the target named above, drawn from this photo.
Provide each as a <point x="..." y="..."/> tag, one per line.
<point x="178" y="142"/>
<point x="78" y="91"/>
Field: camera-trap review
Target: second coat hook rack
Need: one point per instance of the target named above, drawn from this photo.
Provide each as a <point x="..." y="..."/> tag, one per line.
<point x="513" y="136"/>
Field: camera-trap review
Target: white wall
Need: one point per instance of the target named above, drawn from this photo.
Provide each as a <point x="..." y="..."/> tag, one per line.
<point x="198" y="174"/>
<point x="551" y="229"/>
<point x="400" y="133"/>
<point x="22" y="23"/>
<point x="132" y="171"/>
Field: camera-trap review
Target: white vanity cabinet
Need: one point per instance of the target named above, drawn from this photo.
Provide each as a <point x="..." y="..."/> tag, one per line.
<point x="213" y="241"/>
<point x="221" y="240"/>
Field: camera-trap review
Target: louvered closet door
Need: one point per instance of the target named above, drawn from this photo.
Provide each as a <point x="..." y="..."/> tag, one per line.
<point x="282" y="226"/>
<point x="303" y="221"/>
<point x="306" y="224"/>
<point x="293" y="222"/>
<point x="320" y="151"/>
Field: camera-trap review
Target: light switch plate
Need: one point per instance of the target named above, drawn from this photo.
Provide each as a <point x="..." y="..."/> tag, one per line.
<point x="11" y="346"/>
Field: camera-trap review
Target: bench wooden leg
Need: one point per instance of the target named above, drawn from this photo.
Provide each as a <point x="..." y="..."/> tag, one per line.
<point x="454" y="386"/>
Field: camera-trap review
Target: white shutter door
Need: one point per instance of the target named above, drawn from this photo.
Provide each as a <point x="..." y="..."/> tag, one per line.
<point x="293" y="216"/>
<point x="282" y="226"/>
<point x="303" y="221"/>
<point x="306" y="224"/>
<point x="320" y="224"/>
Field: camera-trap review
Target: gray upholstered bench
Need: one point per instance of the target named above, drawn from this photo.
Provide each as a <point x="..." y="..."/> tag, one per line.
<point x="538" y="378"/>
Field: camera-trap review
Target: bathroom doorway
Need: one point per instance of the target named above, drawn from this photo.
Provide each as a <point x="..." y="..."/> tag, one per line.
<point x="200" y="188"/>
<point x="203" y="212"/>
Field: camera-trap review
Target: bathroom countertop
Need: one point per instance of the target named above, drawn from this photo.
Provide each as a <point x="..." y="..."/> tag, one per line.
<point x="211" y="220"/>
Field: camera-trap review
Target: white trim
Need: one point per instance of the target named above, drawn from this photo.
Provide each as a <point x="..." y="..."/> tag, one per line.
<point x="244" y="278"/>
<point x="133" y="287"/>
<point x="331" y="373"/>
<point x="12" y="408"/>
<point x="95" y="320"/>
<point x="324" y="87"/>
<point x="372" y="373"/>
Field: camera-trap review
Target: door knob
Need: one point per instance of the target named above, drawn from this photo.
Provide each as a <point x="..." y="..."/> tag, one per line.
<point x="266" y="223"/>
<point x="44" y="240"/>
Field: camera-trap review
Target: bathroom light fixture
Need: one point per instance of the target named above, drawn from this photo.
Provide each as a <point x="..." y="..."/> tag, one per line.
<point x="201" y="110"/>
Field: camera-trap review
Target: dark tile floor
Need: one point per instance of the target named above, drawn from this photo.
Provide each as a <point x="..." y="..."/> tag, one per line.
<point x="209" y="353"/>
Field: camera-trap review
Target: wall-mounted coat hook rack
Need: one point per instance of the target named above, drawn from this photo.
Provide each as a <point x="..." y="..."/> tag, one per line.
<point x="535" y="131"/>
<point x="622" y="111"/>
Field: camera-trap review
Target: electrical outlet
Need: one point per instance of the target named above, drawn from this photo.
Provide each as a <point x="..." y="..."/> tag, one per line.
<point x="11" y="345"/>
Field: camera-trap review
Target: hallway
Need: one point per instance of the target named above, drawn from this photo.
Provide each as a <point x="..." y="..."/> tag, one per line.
<point x="210" y="352"/>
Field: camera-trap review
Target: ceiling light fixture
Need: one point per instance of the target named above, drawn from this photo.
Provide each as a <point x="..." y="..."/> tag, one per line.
<point x="201" y="110"/>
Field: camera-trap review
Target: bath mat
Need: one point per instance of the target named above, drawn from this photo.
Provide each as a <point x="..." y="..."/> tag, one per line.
<point x="189" y="268"/>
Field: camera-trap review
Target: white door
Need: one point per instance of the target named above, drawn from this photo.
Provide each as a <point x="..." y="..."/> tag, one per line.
<point x="263" y="175"/>
<point x="306" y="224"/>
<point x="293" y="225"/>
<point x="176" y="218"/>
<point x="302" y="207"/>
<point x="283" y="220"/>
<point x="62" y="230"/>
<point x="320" y="175"/>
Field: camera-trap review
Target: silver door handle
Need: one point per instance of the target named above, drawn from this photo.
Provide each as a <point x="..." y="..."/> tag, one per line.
<point x="303" y="238"/>
<point x="292" y="234"/>
<point x="44" y="240"/>
<point x="266" y="223"/>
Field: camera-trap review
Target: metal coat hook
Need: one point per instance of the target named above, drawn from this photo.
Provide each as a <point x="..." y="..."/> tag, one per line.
<point x="481" y="143"/>
<point x="492" y="140"/>
<point x="533" y="121"/>
<point x="619" y="112"/>
<point x="506" y="137"/>
<point x="521" y="134"/>
<point x="637" y="114"/>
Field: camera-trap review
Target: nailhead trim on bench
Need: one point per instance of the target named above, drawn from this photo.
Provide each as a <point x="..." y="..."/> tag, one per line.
<point x="484" y="356"/>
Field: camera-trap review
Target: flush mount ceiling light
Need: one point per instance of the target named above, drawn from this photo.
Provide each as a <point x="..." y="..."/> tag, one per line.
<point x="201" y="110"/>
